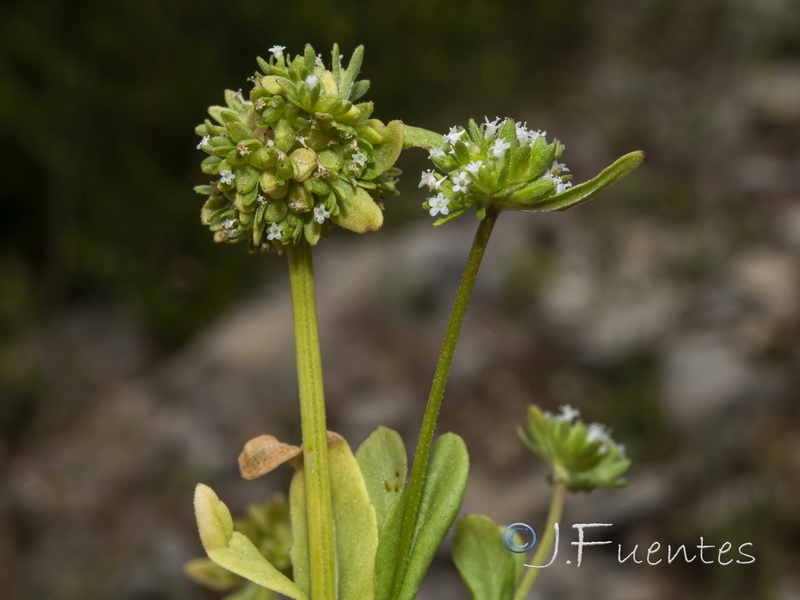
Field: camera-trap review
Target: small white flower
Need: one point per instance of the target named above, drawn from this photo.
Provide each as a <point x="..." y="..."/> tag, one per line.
<point x="319" y="62"/>
<point x="260" y="104"/>
<point x="598" y="433"/>
<point x="429" y="180"/>
<point x="436" y="153"/>
<point x="568" y="414"/>
<point x="229" y="224"/>
<point x="454" y="135"/>
<point x="277" y="52"/>
<point x="321" y="213"/>
<point x="557" y="167"/>
<point x="226" y="176"/>
<point x="274" y="232"/>
<point x="312" y="81"/>
<point x="537" y="134"/>
<point x="474" y="166"/>
<point x="260" y="199"/>
<point x="359" y="158"/>
<point x="460" y="182"/>
<point x="439" y="205"/>
<point x="499" y="148"/>
<point x="243" y="150"/>
<point x="203" y="141"/>
<point x="563" y="186"/>
<point x="524" y="136"/>
<point x="491" y="128"/>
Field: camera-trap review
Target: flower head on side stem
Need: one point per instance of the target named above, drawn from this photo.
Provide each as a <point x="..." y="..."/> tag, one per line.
<point x="503" y="164"/>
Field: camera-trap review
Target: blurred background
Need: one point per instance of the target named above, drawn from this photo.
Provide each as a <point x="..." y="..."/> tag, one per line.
<point x="136" y="357"/>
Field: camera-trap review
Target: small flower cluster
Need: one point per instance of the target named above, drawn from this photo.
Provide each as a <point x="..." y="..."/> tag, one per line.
<point x="500" y="162"/>
<point x="298" y="154"/>
<point x="584" y="457"/>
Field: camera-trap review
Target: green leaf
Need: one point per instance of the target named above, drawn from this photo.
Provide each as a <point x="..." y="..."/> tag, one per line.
<point x="357" y="211"/>
<point x="487" y="567"/>
<point x="232" y="550"/>
<point x="583" y="192"/>
<point x="441" y="500"/>
<point x="383" y="462"/>
<point x="351" y="73"/>
<point x="359" y="89"/>
<point x="387" y="153"/>
<point x="355" y="526"/>
<point x="418" y="137"/>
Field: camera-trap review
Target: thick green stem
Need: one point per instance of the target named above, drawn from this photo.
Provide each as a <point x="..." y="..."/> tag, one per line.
<point x="312" y="414"/>
<point x="546" y="544"/>
<point x="418" y="471"/>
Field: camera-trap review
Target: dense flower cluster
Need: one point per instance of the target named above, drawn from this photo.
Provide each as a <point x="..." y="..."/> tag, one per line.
<point x="499" y="162"/>
<point x="583" y="457"/>
<point x="297" y="154"/>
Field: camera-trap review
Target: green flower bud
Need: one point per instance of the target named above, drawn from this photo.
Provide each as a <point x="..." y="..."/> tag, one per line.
<point x="297" y="155"/>
<point x="507" y="166"/>
<point x="583" y="457"/>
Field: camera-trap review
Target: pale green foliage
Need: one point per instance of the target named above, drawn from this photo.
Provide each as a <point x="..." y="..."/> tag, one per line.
<point x="490" y="571"/>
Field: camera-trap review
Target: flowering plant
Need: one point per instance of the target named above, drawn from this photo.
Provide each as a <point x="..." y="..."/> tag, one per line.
<point x="295" y="156"/>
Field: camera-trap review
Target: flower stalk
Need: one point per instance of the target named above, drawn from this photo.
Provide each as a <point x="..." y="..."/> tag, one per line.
<point x="312" y="415"/>
<point x="553" y="517"/>
<point x="418" y="471"/>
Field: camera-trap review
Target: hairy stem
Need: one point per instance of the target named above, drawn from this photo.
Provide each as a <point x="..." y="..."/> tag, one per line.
<point x="312" y="414"/>
<point x="546" y="544"/>
<point x="418" y="471"/>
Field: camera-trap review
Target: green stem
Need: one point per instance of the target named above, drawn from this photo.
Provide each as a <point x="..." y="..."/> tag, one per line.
<point x="546" y="544"/>
<point x="312" y="415"/>
<point x="418" y="471"/>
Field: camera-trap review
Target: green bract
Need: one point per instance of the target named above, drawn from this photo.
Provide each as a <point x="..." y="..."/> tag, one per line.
<point x="582" y="457"/>
<point x="295" y="155"/>
<point x="505" y="165"/>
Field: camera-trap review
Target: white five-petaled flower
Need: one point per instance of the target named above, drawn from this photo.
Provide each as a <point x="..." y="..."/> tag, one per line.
<point x="474" y="166"/>
<point x="454" y="135"/>
<point x="321" y="213"/>
<point x="274" y="232"/>
<point x="429" y="180"/>
<point x="568" y="414"/>
<point x="312" y="81"/>
<point x="460" y="182"/>
<point x="439" y="205"/>
<point x="436" y="153"/>
<point x="499" y="148"/>
<point x="203" y="141"/>
<point x="260" y="104"/>
<point x="277" y="52"/>
<point x="260" y="199"/>
<point x="598" y="433"/>
<point x="243" y="150"/>
<point x="359" y="158"/>
<point x="557" y="167"/>
<point x="226" y="176"/>
<point x="491" y="128"/>
<point x="229" y="223"/>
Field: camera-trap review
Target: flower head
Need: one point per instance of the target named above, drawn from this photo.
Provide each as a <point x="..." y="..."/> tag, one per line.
<point x="428" y="179"/>
<point x="296" y="154"/>
<point x="505" y="165"/>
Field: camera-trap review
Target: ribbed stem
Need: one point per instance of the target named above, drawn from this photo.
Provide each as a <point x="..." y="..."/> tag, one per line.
<point x="312" y="415"/>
